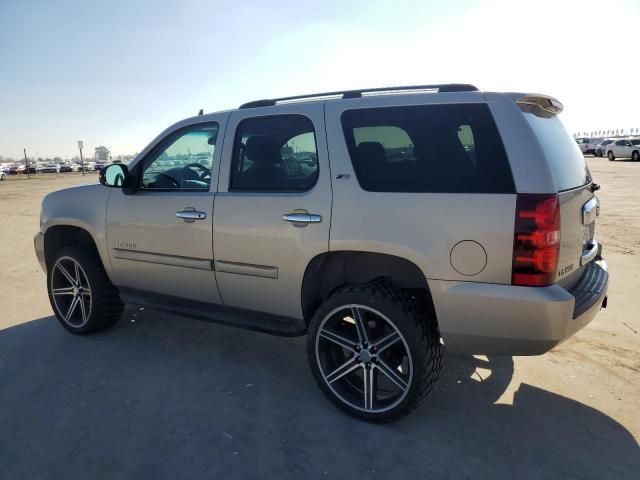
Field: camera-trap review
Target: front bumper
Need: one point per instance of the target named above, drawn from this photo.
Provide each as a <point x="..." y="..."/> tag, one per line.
<point x="38" y="244"/>
<point x="479" y="318"/>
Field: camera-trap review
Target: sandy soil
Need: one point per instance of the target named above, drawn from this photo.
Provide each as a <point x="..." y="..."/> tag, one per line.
<point x="574" y="412"/>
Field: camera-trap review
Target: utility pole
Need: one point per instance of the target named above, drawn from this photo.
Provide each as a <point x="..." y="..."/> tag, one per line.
<point x="26" y="162"/>
<point x="80" y="145"/>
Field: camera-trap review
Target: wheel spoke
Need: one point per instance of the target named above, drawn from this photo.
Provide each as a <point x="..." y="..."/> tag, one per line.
<point x="386" y="341"/>
<point x="72" y="307"/>
<point x="338" y="339"/>
<point x="392" y="375"/>
<point x="369" y="387"/>
<point x="83" y="310"/>
<point x="360" y="325"/>
<point x="77" y="272"/>
<point x="344" y="369"/>
<point x="66" y="274"/>
<point x="63" y="291"/>
<point x="86" y="291"/>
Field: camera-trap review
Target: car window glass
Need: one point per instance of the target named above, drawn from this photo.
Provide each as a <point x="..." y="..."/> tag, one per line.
<point x="274" y="153"/>
<point x="431" y="148"/>
<point x="183" y="160"/>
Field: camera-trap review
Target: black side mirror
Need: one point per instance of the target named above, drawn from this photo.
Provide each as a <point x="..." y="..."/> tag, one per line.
<point x="116" y="176"/>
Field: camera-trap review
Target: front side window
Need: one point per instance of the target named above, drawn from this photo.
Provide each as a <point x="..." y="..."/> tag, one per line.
<point x="183" y="161"/>
<point x="275" y="153"/>
<point x="427" y="149"/>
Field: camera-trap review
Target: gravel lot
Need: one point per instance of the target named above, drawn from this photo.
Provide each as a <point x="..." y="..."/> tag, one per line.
<point x="159" y="396"/>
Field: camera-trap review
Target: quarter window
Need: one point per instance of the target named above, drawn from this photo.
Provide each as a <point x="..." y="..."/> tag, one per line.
<point x="275" y="153"/>
<point x="431" y="148"/>
<point x="183" y="161"/>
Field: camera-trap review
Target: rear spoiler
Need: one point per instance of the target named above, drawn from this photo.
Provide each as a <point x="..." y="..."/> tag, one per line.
<point x="540" y="105"/>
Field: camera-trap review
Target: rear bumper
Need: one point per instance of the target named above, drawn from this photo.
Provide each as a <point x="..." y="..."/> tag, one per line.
<point x="38" y="244"/>
<point x="479" y="318"/>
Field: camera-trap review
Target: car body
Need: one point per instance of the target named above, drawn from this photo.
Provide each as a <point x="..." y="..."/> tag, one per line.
<point x="16" y="169"/>
<point x="601" y="147"/>
<point x="378" y="225"/>
<point x="3" y="173"/>
<point x="625" y="148"/>
<point x="98" y="166"/>
<point x="583" y="144"/>
<point x="67" y="167"/>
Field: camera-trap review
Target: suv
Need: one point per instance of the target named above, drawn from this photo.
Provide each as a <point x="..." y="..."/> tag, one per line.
<point x="383" y="224"/>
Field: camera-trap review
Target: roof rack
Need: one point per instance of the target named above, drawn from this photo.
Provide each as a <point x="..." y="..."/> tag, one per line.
<point x="441" y="88"/>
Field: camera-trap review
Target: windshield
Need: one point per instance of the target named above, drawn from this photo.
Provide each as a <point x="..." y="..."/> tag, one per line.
<point x="565" y="159"/>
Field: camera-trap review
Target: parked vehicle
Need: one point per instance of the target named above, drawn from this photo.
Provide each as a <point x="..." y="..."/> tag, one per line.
<point x="625" y="148"/>
<point x="3" y="174"/>
<point x="583" y="143"/>
<point x="372" y="249"/>
<point x="98" y="166"/>
<point x="49" y="168"/>
<point x="15" y="169"/>
<point x="601" y="147"/>
<point x="66" y="167"/>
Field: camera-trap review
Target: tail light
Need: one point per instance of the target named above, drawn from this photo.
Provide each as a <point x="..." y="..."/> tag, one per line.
<point x="536" y="240"/>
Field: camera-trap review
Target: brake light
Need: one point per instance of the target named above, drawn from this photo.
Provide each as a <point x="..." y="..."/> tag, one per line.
<point x="536" y="240"/>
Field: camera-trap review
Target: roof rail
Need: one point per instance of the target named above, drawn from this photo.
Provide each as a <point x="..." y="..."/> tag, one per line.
<point x="441" y="88"/>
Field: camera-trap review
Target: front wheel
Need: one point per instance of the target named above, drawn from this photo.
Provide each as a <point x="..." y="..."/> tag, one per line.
<point x="635" y="156"/>
<point x="610" y="156"/>
<point x="374" y="352"/>
<point x="82" y="297"/>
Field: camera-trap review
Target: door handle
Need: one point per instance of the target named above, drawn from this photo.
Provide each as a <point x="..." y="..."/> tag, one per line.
<point x="301" y="218"/>
<point x="191" y="215"/>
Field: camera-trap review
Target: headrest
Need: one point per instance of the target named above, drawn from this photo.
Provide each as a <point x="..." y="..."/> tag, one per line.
<point x="262" y="149"/>
<point x="371" y="152"/>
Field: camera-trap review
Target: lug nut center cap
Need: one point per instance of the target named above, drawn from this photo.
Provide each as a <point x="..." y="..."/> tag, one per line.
<point x="365" y="356"/>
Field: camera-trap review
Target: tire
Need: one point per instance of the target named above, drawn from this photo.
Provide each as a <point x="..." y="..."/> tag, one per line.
<point x="82" y="297"/>
<point x="402" y="359"/>
<point x="610" y="156"/>
<point x="635" y="156"/>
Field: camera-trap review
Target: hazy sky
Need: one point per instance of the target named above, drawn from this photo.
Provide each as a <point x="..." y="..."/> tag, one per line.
<point x="116" y="73"/>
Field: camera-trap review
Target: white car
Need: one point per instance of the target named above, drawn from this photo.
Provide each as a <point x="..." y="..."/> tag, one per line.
<point x="583" y="143"/>
<point x="601" y="147"/>
<point x="625" y="148"/>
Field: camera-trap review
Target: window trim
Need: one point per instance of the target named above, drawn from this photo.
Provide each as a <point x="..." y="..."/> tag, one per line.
<point x="161" y="146"/>
<point x="237" y="140"/>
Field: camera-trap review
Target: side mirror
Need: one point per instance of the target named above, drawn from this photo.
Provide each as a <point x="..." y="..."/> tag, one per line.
<point x="116" y="176"/>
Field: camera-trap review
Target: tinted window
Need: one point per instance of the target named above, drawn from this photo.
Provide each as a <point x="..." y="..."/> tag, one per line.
<point x="434" y="148"/>
<point x="183" y="160"/>
<point x="276" y="153"/>
<point x="620" y="143"/>
<point x="565" y="159"/>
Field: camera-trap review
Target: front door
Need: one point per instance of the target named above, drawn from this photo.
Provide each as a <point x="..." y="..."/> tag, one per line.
<point x="160" y="236"/>
<point x="273" y="207"/>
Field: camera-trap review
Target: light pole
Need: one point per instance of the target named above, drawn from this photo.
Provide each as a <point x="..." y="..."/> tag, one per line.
<point x="26" y="163"/>
<point x="80" y="145"/>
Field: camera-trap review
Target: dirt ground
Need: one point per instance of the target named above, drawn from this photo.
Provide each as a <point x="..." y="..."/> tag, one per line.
<point x="160" y="396"/>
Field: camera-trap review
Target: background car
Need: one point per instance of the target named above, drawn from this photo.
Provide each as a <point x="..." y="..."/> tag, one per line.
<point x="3" y="174"/>
<point x="66" y="167"/>
<point x="49" y="168"/>
<point x="601" y="147"/>
<point x="625" y="148"/>
<point x="583" y="143"/>
<point x="15" y="169"/>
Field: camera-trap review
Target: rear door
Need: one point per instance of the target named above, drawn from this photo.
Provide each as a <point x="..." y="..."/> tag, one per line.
<point x="578" y="205"/>
<point x="273" y="207"/>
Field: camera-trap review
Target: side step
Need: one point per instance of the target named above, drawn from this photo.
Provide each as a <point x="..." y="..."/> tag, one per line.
<point x="210" y="312"/>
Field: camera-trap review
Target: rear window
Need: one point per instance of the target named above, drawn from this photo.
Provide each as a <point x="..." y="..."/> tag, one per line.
<point x="431" y="148"/>
<point x="567" y="163"/>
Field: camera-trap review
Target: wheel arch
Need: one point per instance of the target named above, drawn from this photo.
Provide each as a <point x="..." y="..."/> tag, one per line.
<point x="329" y="271"/>
<point x="59" y="236"/>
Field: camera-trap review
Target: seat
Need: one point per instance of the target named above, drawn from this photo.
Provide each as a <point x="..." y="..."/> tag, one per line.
<point x="264" y="172"/>
<point x="371" y="163"/>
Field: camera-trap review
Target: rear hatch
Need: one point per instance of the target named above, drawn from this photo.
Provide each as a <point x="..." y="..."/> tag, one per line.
<point x="578" y="205"/>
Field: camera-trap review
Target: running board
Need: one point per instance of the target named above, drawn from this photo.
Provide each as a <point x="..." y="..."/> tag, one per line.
<point x="210" y="312"/>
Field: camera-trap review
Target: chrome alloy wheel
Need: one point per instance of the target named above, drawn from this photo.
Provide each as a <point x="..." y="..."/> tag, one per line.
<point x="363" y="358"/>
<point x="71" y="292"/>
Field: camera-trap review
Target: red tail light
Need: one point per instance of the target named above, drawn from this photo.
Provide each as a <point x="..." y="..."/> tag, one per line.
<point x="536" y="240"/>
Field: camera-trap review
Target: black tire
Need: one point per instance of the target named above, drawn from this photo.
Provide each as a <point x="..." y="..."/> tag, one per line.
<point x="98" y="304"/>
<point x="418" y="330"/>
<point x="610" y="156"/>
<point x="635" y="156"/>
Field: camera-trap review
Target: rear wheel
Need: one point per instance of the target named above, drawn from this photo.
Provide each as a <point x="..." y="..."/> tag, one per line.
<point x="374" y="352"/>
<point x="610" y="156"/>
<point x="635" y="156"/>
<point x="82" y="297"/>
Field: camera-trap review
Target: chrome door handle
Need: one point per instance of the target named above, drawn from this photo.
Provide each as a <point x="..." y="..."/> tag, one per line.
<point x="191" y="215"/>
<point x="301" y="218"/>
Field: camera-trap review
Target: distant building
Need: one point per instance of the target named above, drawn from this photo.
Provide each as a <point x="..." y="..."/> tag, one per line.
<point x="102" y="154"/>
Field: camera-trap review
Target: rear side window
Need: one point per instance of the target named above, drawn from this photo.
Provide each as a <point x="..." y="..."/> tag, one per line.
<point x="565" y="158"/>
<point x="275" y="153"/>
<point x="432" y="148"/>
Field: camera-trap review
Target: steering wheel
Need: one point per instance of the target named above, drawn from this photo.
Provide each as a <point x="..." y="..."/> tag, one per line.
<point x="205" y="171"/>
